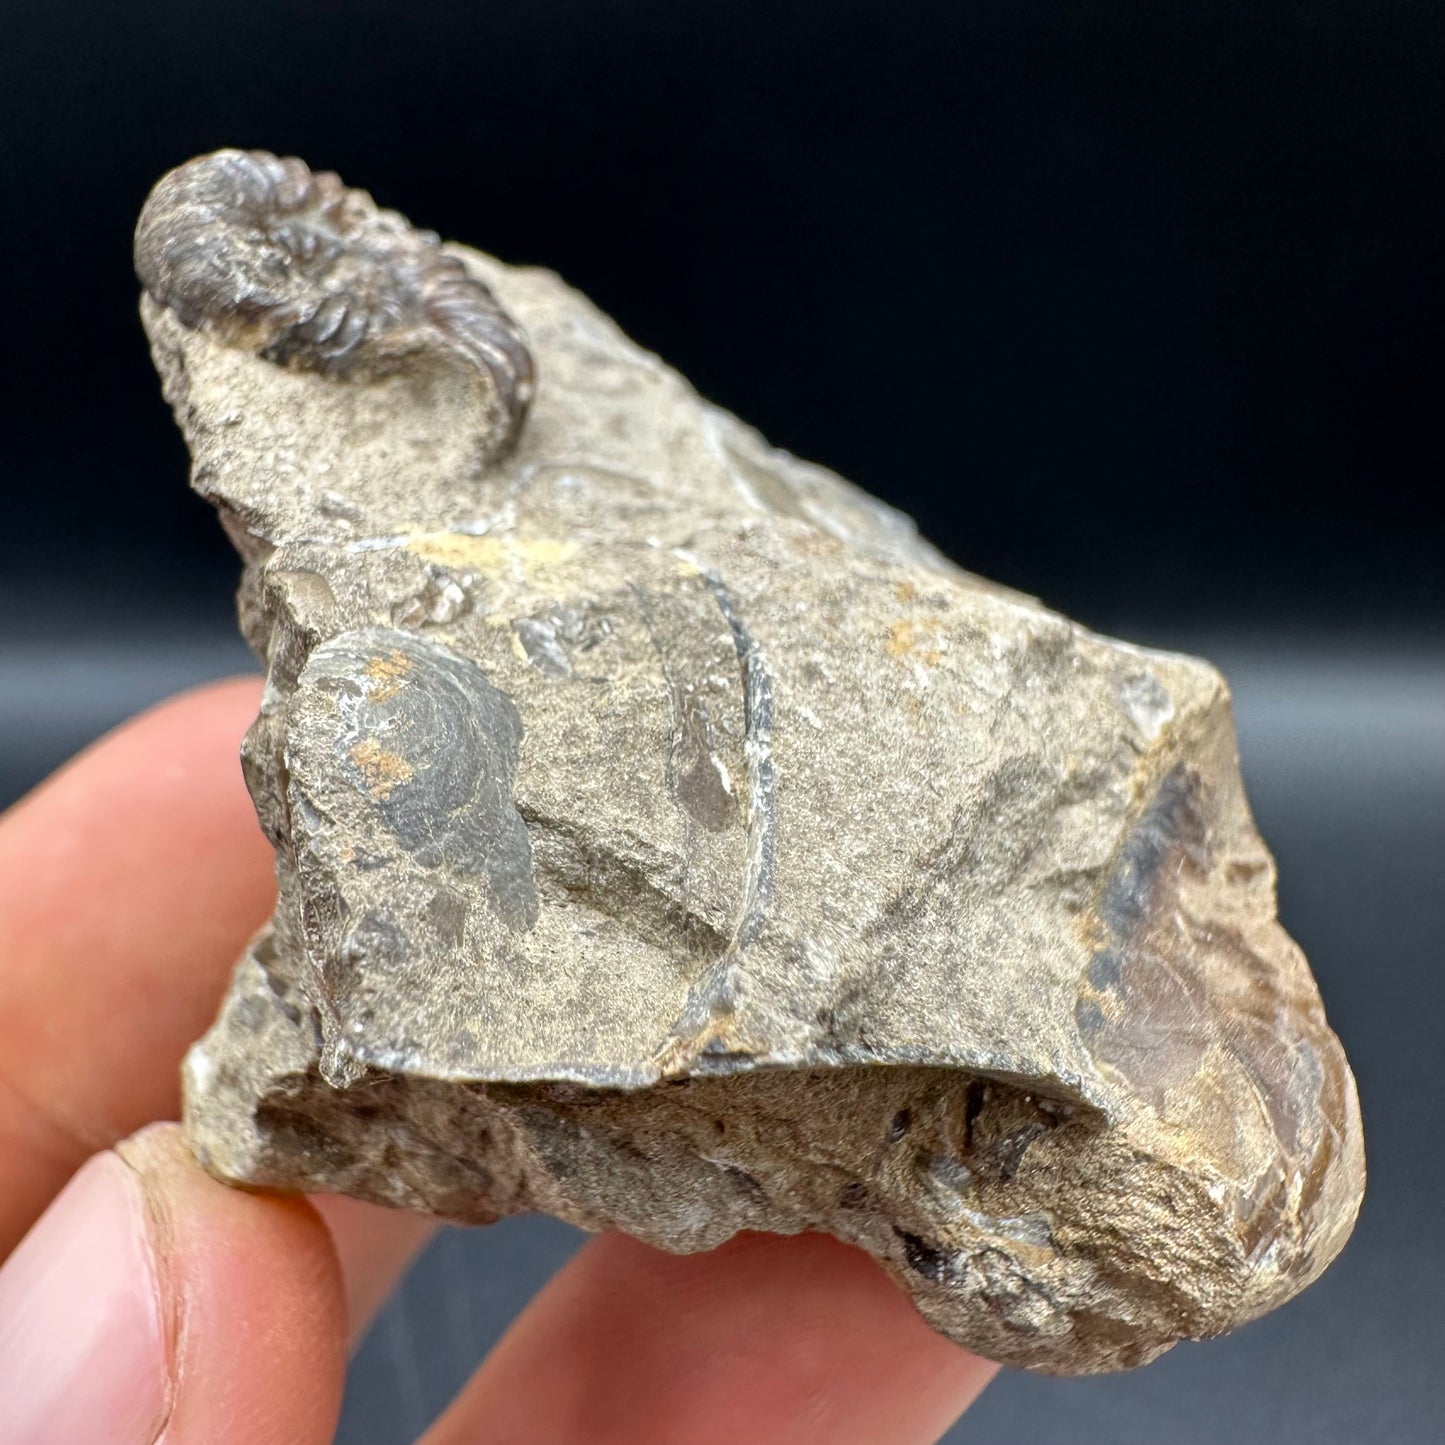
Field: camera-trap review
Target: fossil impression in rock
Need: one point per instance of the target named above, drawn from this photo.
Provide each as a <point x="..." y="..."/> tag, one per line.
<point x="668" y="839"/>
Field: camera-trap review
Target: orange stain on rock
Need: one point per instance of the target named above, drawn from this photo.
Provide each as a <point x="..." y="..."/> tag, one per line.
<point x="387" y="675"/>
<point x="381" y="769"/>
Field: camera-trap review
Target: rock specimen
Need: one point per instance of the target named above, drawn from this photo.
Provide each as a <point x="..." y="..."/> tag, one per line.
<point x="670" y="840"/>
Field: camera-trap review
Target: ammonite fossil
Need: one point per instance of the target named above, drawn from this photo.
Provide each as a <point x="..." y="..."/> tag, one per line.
<point x="279" y="259"/>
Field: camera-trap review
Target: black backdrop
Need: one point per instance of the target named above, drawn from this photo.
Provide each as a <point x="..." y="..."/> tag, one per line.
<point x="1136" y="306"/>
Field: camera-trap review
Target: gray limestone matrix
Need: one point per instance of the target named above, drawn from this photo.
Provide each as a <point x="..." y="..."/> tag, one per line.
<point x="670" y="840"/>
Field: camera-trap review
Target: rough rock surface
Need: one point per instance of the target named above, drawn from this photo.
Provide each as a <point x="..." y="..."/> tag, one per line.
<point x="670" y="840"/>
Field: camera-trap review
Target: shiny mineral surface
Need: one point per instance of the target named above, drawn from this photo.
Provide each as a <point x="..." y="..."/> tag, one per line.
<point x="670" y="840"/>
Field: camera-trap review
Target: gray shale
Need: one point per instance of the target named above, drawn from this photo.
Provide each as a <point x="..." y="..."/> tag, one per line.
<point x="670" y="840"/>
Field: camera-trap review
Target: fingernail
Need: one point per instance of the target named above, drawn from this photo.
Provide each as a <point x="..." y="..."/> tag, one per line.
<point x="82" y="1347"/>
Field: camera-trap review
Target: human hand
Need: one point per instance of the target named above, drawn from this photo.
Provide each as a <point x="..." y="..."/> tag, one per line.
<point x="151" y="1304"/>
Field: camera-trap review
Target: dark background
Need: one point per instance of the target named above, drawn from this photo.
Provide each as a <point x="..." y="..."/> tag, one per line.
<point x="1137" y="307"/>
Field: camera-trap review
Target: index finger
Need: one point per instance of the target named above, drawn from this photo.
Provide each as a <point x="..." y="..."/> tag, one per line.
<point x="128" y="882"/>
<point x="128" y="885"/>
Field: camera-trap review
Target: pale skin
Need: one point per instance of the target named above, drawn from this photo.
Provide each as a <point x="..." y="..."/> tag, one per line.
<point x="129" y="883"/>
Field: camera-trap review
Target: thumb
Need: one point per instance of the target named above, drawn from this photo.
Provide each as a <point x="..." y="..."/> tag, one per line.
<point x="150" y="1303"/>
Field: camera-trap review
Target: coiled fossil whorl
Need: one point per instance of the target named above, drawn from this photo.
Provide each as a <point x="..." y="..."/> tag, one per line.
<point x="269" y="256"/>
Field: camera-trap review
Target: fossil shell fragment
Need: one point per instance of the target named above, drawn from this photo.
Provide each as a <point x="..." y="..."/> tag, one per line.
<point x="670" y="840"/>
